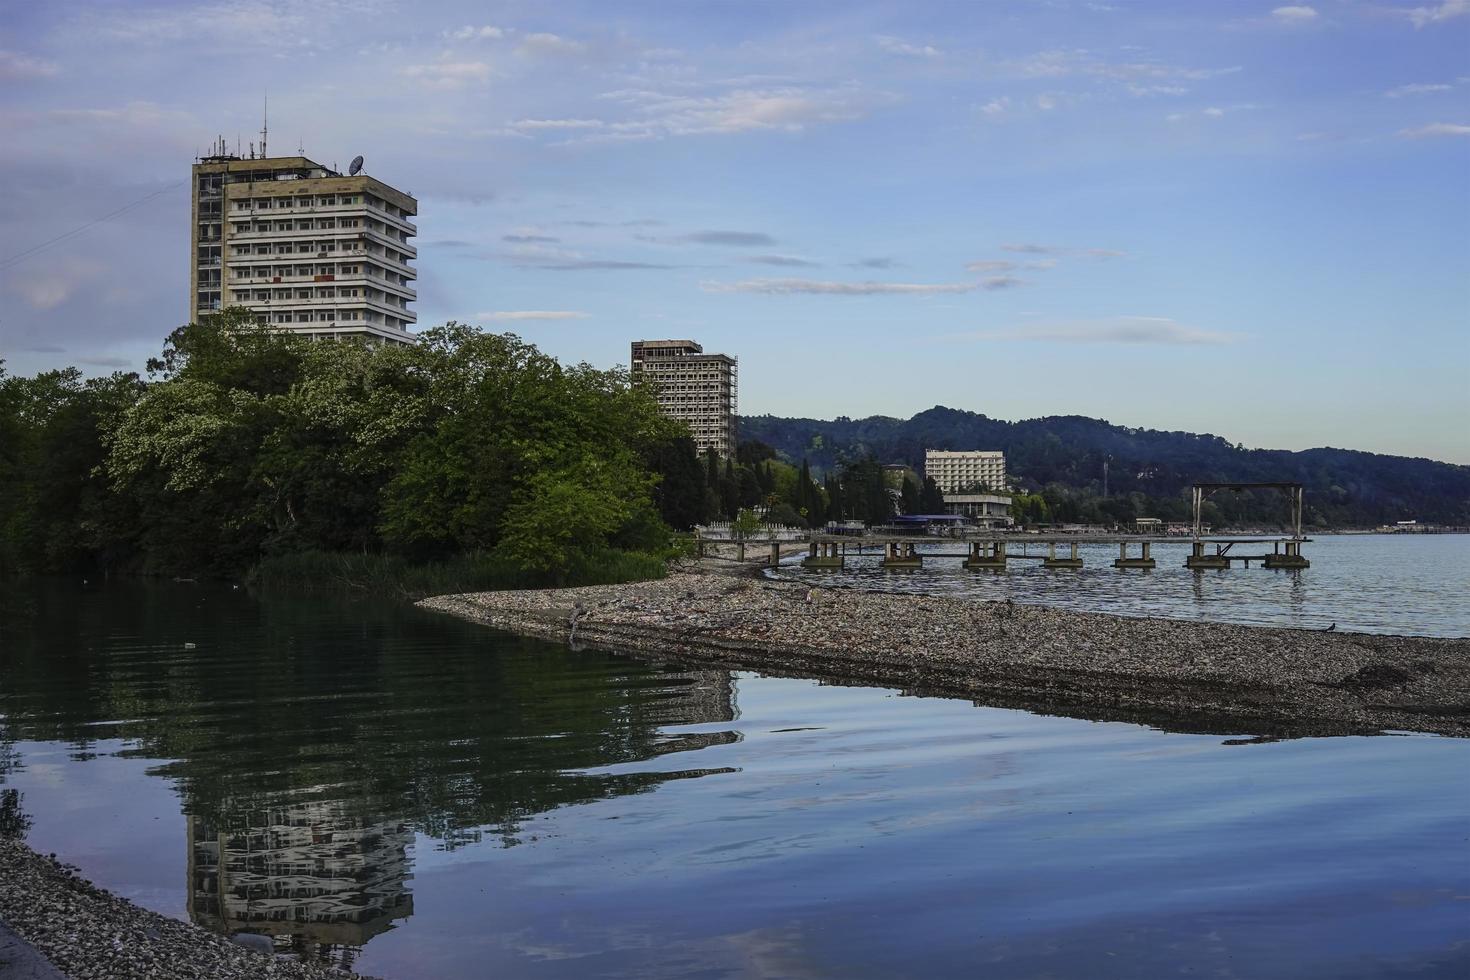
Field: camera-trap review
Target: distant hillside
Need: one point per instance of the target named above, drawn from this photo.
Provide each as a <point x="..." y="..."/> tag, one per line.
<point x="1343" y="487"/>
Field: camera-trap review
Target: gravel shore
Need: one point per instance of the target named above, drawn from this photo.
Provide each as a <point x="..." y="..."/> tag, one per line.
<point x="1184" y="676"/>
<point x="90" y="934"/>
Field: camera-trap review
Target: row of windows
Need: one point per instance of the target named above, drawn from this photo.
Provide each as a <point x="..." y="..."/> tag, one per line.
<point x="313" y="224"/>
<point x="297" y="201"/>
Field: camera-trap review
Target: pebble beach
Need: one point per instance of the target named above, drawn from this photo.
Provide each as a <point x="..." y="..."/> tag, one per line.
<point x="1175" y="674"/>
<point x="62" y="926"/>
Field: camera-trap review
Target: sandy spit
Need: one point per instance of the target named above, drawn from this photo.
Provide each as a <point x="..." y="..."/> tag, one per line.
<point x="1183" y="676"/>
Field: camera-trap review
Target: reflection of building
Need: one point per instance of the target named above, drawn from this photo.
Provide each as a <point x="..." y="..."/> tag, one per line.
<point x="956" y="472"/>
<point x="307" y="874"/>
<point x="307" y="249"/>
<point x="694" y="387"/>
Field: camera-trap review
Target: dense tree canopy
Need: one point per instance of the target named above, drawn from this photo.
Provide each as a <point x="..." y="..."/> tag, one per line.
<point x="248" y="443"/>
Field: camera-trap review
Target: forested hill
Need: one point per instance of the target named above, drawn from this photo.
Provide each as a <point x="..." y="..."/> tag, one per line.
<point x="1343" y="487"/>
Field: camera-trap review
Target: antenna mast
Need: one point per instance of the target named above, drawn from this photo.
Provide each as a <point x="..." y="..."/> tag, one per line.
<point x="265" y="123"/>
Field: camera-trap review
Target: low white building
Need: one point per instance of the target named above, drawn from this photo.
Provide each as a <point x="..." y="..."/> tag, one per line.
<point x="985" y="509"/>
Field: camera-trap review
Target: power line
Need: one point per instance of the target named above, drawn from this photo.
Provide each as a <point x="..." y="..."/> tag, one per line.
<point x="18" y="257"/>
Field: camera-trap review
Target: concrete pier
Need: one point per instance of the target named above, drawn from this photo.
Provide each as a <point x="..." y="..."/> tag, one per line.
<point x="987" y="556"/>
<point x="1052" y="561"/>
<point x="901" y="554"/>
<point x="823" y="554"/>
<point x="1291" y="558"/>
<point x="1123" y="561"/>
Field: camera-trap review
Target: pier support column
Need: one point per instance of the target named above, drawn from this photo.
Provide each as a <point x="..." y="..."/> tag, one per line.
<point x="1123" y="561"/>
<point x="822" y="554"/>
<point x="775" y="553"/>
<point x="1291" y="559"/>
<point x="901" y="555"/>
<point x="1198" y="559"/>
<point x="987" y="556"/>
<point x="1052" y="561"/>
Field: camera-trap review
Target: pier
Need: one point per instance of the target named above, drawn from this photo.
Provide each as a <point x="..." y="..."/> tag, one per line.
<point x="994" y="552"/>
<point x="991" y="551"/>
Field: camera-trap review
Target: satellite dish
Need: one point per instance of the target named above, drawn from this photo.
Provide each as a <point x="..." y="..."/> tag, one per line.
<point x="354" y="166"/>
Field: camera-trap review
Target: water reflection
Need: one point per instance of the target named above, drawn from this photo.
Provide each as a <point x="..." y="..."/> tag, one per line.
<point x="311" y="741"/>
<point x="319" y="880"/>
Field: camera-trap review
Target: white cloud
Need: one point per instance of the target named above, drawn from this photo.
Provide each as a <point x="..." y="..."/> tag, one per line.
<point x="791" y="261"/>
<point x="1294" y="15"/>
<point x="471" y="33"/>
<point x="15" y="65"/>
<point x="996" y="107"/>
<point x="990" y="265"/>
<point x="894" y="45"/>
<point x="1447" y="10"/>
<point x="1109" y="330"/>
<point x="549" y="45"/>
<point x="1416" y="89"/>
<point x="557" y="124"/>
<point x="1030" y="248"/>
<point x="533" y="315"/>
<point x="255" y="23"/>
<point x="1435" y="129"/>
<point x="448" y="74"/>
<point x="782" y="287"/>
<point x="658" y="114"/>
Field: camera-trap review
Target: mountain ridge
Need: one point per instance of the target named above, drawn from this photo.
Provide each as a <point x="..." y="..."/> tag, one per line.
<point x="1345" y="487"/>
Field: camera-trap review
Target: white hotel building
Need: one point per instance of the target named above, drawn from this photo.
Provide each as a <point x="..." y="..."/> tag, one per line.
<point x="957" y="472"/>
<point x="303" y="247"/>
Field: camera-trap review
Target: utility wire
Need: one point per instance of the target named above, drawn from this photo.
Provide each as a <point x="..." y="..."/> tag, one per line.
<point x="18" y="257"/>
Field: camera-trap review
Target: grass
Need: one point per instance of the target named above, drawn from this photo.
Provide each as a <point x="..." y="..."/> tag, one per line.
<point x="391" y="575"/>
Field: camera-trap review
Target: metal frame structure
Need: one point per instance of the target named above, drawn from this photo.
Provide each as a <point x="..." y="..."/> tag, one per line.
<point x="1202" y="492"/>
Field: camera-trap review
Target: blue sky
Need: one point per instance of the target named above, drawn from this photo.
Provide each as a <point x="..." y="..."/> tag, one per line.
<point x="1248" y="219"/>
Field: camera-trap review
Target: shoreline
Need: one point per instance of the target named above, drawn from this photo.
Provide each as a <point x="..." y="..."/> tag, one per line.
<point x="68" y="925"/>
<point x="1178" y="675"/>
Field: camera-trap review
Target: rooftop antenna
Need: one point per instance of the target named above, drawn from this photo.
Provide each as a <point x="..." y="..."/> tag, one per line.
<point x="355" y="166"/>
<point x="265" y="123"/>
<point x="300" y="147"/>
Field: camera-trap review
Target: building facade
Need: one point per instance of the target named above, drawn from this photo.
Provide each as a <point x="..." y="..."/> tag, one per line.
<point x="957" y="472"/>
<point x="696" y="388"/>
<point x="305" y="248"/>
<point x="986" y="509"/>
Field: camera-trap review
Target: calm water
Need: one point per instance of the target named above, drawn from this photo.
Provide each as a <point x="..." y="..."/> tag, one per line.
<point x="1369" y="583"/>
<point x="424" y="798"/>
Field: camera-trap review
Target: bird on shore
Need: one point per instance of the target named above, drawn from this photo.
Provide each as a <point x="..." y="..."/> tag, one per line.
<point x="1330" y="628"/>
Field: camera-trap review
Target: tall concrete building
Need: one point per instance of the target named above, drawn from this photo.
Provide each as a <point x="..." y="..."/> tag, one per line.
<point x="694" y="387"/>
<point x="956" y="472"/>
<point x="305" y="248"/>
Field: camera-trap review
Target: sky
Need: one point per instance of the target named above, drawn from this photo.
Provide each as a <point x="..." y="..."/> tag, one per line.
<point x="1239" y="218"/>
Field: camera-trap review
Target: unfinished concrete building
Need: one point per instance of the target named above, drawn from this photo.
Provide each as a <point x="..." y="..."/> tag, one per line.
<point x="305" y="248"/>
<point x="696" y="388"/>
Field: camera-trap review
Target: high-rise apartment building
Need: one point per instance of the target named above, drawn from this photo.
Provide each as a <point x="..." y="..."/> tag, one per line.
<point x="693" y="387"/>
<point x="956" y="472"/>
<point x="305" y="248"/>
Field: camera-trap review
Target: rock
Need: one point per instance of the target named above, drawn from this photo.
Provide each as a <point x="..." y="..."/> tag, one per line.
<point x="260" y="944"/>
